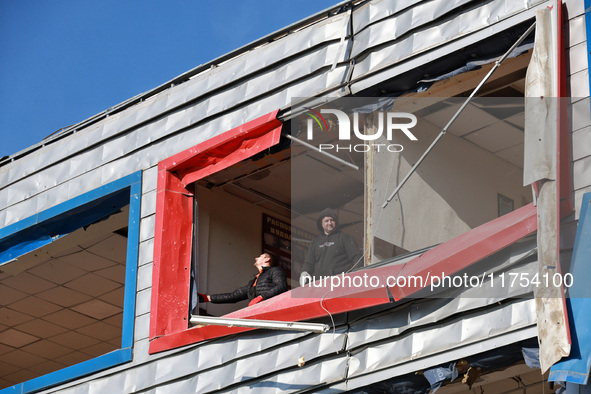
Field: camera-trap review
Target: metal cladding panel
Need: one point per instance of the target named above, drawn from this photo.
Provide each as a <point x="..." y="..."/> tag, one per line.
<point x="246" y="371"/>
<point x="580" y="114"/>
<point x="459" y="332"/>
<point x="375" y="11"/>
<point x="328" y="371"/>
<point x="575" y="7"/>
<point x="391" y="60"/>
<point x="393" y="28"/>
<point x="581" y="143"/>
<point x="430" y="361"/>
<point x="576" y="31"/>
<point x="577" y="58"/>
<point x="579" y="84"/>
<point x="149" y="203"/>
<point x="582" y="173"/>
<point x="220" y="364"/>
<point x="430" y="37"/>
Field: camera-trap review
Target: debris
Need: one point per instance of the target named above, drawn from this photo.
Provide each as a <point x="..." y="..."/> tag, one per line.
<point x="301" y="362"/>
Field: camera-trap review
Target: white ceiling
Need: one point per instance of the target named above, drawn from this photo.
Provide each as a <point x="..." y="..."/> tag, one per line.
<point x="63" y="303"/>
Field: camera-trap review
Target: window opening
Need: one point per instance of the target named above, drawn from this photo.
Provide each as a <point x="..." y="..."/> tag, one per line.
<point x="475" y="176"/>
<point x="67" y="306"/>
<point x="180" y="245"/>
<point x="241" y="211"/>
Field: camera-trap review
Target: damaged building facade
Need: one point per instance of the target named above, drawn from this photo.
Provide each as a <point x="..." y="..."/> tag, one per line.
<point x="452" y="138"/>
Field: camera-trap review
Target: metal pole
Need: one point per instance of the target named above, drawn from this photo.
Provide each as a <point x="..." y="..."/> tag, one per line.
<point x="458" y="112"/>
<point x="353" y="166"/>
<point x="252" y="323"/>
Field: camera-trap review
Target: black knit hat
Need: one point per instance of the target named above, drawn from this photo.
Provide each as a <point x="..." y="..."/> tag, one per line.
<point x="328" y="212"/>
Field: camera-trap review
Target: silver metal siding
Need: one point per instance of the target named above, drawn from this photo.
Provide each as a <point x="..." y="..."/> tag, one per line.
<point x="139" y="137"/>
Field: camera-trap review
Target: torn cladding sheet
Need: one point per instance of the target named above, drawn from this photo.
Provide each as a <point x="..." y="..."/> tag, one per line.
<point x="434" y="377"/>
<point x="412" y="62"/>
<point x="424" y="40"/>
<point x="540" y="162"/>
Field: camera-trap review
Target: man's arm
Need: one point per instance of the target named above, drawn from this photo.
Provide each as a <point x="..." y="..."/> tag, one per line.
<point x="237" y="295"/>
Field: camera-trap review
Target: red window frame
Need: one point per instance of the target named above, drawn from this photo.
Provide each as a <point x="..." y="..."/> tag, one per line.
<point x="174" y="221"/>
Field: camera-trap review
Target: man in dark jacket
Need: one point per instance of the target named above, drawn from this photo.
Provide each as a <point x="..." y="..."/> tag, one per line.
<point x="270" y="281"/>
<point x="331" y="253"/>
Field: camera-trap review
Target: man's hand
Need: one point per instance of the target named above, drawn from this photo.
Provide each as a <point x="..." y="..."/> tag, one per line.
<point x="203" y="297"/>
<point x="255" y="300"/>
<point x="304" y="278"/>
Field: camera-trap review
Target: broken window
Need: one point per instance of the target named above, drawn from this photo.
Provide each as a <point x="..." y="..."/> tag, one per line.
<point x="240" y="212"/>
<point x="209" y="224"/>
<point x="67" y="285"/>
<point x="365" y="150"/>
<point x="247" y="200"/>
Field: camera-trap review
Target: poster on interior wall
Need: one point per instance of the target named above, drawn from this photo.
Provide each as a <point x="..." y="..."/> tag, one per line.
<point x="277" y="239"/>
<point x="505" y="204"/>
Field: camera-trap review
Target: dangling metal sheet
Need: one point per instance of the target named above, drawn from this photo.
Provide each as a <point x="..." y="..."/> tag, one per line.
<point x="540" y="164"/>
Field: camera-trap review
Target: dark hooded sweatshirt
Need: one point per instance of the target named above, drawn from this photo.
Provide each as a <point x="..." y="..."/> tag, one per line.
<point x="331" y="254"/>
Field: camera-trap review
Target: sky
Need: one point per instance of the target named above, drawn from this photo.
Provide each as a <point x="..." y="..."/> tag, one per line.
<point x="63" y="61"/>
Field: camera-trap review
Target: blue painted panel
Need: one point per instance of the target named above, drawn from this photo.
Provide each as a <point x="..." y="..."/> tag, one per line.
<point x="588" y="35"/>
<point x="82" y="209"/>
<point x="133" y="242"/>
<point x="575" y="368"/>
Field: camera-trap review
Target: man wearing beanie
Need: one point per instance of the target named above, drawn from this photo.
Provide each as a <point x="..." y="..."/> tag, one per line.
<point x="331" y="253"/>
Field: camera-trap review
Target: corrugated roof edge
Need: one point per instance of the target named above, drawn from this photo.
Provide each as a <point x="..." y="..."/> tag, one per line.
<point x="62" y="133"/>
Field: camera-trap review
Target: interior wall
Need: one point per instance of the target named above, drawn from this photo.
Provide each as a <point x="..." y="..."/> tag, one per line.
<point x="454" y="189"/>
<point x="230" y="237"/>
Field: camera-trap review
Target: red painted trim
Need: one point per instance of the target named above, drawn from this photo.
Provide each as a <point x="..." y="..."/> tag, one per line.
<point x="174" y="215"/>
<point x="185" y="160"/>
<point x="310" y="303"/>
<point x="468" y="248"/>
<point x="564" y="157"/>
<point x="172" y="255"/>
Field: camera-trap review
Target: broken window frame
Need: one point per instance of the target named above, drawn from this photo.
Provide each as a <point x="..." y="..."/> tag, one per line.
<point x="169" y="325"/>
<point x="77" y="211"/>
